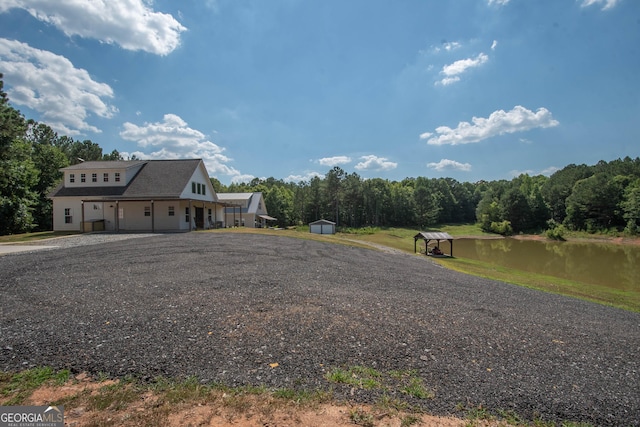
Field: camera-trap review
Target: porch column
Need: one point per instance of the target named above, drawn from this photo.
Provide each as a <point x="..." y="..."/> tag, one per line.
<point x="82" y="219"/>
<point x="153" y="218"/>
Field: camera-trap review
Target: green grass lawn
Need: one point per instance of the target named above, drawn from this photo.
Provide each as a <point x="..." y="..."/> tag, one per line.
<point x="30" y="237"/>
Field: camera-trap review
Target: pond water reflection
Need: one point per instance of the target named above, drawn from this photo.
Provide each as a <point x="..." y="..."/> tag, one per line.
<point x="611" y="265"/>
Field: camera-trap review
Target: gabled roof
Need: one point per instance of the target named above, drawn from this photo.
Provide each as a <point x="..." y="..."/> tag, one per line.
<point x="156" y="178"/>
<point x="322" y="221"/>
<point x="253" y="199"/>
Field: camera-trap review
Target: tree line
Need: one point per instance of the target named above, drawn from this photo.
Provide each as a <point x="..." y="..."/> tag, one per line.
<point x="595" y="198"/>
<point x="598" y="198"/>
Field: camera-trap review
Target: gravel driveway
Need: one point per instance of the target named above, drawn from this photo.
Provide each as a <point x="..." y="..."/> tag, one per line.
<point x="227" y="307"/>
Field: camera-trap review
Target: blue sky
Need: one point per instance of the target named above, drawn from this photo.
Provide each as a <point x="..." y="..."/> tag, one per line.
<point x="468" y="89"/>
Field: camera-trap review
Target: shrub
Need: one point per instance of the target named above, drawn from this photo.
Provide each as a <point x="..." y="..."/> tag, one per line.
<point x="556" y="233"/>
<point x="503" y="227"/>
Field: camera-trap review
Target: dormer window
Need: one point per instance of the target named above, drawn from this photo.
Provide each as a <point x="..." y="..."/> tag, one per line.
<point x="83" y="177"/>
<point x="117" y="176"/>
<point x="72" y="177"/>
<point x="94" y="177"/>
<point x="105" y="177"/>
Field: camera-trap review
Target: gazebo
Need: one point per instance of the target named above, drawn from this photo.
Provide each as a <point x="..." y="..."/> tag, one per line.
<point x="438" y="237"/>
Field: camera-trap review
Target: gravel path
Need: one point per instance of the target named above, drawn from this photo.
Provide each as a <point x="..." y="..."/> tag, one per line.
<point x="225" y="306"/>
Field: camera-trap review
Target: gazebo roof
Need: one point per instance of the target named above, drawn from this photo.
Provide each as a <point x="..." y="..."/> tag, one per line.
<point x="433" y="235"/>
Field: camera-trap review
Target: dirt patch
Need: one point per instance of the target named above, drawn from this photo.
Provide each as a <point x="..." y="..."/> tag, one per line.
<point x="81" y="394"/>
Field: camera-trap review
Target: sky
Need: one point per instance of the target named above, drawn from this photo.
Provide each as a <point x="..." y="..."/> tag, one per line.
<point x="467" y="89"/>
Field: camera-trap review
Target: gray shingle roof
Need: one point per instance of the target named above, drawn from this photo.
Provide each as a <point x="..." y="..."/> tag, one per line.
<point x="156" y="179"/>
<point x="162" y="178"/>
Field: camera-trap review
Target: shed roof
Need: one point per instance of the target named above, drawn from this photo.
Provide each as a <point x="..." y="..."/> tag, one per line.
<point x="234" y="196"/>
<point x="433" y="235"/>
<point x="322" y="221"/>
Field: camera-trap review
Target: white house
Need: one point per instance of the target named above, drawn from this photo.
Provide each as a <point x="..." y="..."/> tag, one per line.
<point x="138" y="195"/>
<point x="245" y="210"/>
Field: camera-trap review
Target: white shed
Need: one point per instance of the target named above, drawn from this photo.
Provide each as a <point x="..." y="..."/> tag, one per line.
<point x="322" y="226"/>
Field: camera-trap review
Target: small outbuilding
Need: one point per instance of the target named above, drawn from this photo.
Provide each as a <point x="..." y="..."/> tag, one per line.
<point x="433" y="236"/>
<point x="322" y="226"/>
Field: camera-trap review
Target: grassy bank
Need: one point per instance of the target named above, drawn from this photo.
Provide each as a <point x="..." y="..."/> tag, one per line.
<point x="402" y="239"/>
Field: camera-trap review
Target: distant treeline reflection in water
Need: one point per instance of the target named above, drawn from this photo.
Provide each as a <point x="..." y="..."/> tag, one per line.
<point x="603" y="264"/>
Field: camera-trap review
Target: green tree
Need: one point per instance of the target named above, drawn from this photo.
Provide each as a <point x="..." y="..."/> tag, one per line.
<point x="559" y="186"/>
<point x="594" y="204"/>
<point x="279" y="203"/>
<point x="18" y="177"/>
<point x="114" y="155"/>
<point x="353" y="200"/>
<point x="630" y="206"/>
<point x="85" y="151"/>
<point x="426" y="201"/>
<point x="403" y="208"/>
<point x="333" y="191"/>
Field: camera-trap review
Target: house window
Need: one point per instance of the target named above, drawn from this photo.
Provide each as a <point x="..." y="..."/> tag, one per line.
<point x="83" y="177"/>
<point x="199" y="188"/>
<point x="68" y="218"/>
<point x="204" y="190"/>
<point x="105" y="177"/>
<point x="186" y="214"/>
<point x="147" y="211"/>
<point x="117" y="177"/>
<point x="172" y="211"/>
<point x="193" y="187"/>
<point x="94" y="177"/>
<point x="72" y="177"/>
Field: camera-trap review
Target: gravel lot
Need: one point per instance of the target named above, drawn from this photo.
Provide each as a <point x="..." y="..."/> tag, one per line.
<point x="225" y="306"/>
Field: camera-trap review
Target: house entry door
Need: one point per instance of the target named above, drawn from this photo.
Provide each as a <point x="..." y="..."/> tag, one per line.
<point x="200" y="218"/>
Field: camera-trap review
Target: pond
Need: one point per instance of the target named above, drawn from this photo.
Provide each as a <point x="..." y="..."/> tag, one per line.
<point x="603" y="264"/>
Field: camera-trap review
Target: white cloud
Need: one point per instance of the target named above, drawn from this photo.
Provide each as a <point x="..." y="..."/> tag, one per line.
<point x="448" y="81"/>
<point x="447" y="46"/>
<point x="375" y="163"/>
<point x="65" y="96"/>
<point x="446" y="164"/>
<point x="498" y="2"/>
<point x="237" y="179"/>
<point x="549" y="171"/>
<point x="174" y="139"/>
<point x="302" y="178"/>
<point x="494" y="45"/>
<point x="453" y="71"/>
<point x="334" y="161"/>
<point x="607" y="4"/>
<point x="500" y="122"/>
<point x="546" y="172"/>
<point x="131" y="24"/>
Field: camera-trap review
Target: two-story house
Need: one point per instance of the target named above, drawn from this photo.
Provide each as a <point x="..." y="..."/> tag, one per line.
<point x="138" y="195"/>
